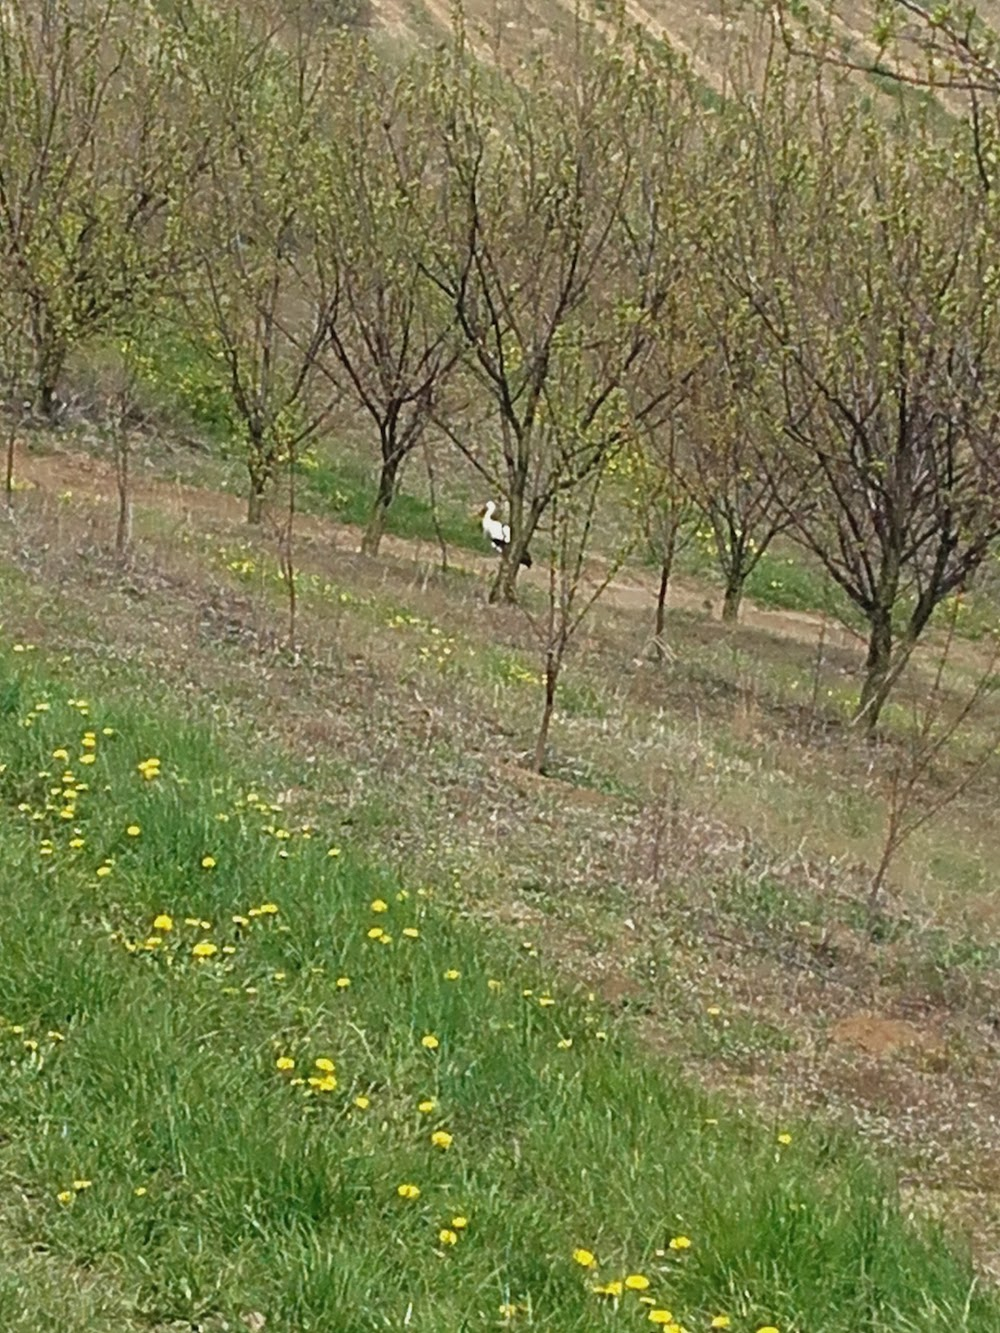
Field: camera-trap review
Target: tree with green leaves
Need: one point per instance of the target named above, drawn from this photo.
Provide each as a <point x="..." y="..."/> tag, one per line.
<point x="261" y="295"/>
<point x="881" y="309"/>
<point x="99" y="156"/>
<point x="732" y="465"/>
<point x="555" y="239"/>
<point x="390" y="346"/>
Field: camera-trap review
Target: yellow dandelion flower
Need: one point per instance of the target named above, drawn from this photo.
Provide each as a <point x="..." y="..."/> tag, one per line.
<point x="494" y="985"/>
<point x="207" y="862"/>
<point x="720" y="1321"/>
<point x="62" y="755"/>
<point x="564" y="1043"/>
<point x="362" y="1102"/>
<point x="785" y="1139"/>
<point x="88" y="758"/>
<point x="411" y="932"/>
<point x="205" y="949"/>
<point x="636" y="1282"/>
<point x="657" y="1316"/>
<point x="460" y="1222"/>
<point x="342" y="983"/>
<point x="334" y="851"/>
<point x="545" y="1001"/>
<point x="79" y="1185"/>
<point x="448" y="1237"/>
<point x="325" y="1064"/>
<point x="429" y="1042"/>
<point x="508" y="1310"/>
<point x="452" y="974"/>
<point x="139" y="1191"/>
<point x="325" y="1084"/>
<point x="268" y="909"/>
<point x="585" y="1258"/>
<point x="163" y="922"/>
<point x="376" y="933"/>
<point x="284" y="1062"/>
<point x="238" y="920"/>
<point x="66" y="1196"/>
<point x="53" y="1035"/>
<point x="768" y="1328"/>
<point x="608" y="1288"/>
<point x="680" y="1243"/>
<point x="408" y="1191"/>
<point x="714" y="1010"/>
<point x="133" y="830"/>
<point x="76" y="843"/>
<point x="441" y="1138"/>
<point x="425" y="1107"/>
<point x="380" y="905"/>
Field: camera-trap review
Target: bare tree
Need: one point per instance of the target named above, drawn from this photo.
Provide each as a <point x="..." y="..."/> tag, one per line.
<point x="14" y="377"/>
<point x="879" y="307"/>
<point x="733" y="467"/>
<point x="98" y="157"/>
<point x="120" y="410"/>
<point x="249" y="307"/>
<point x="572" y="590"/>
<point x="915" y="784"/>
<point x="668" y="517"/>
<point x="553" y="241"/>
<point x="389" y="338"/>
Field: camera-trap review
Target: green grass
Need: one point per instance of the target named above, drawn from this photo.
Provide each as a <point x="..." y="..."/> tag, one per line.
<point x="789" y="583"/>
<point x="345" y="490"/>
<point x="183" y="381"/>
<point x="221" y="1186"/>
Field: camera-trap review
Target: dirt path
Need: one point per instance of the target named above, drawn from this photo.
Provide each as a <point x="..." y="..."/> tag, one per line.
<point x="77" y="473"/>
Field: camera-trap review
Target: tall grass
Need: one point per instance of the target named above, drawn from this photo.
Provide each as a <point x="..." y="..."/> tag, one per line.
<point x="179" y="951"/>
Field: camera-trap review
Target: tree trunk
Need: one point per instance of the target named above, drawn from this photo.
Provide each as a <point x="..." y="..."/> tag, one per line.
<point x="380" y="510"/>
<point x="258" y="485"/>
<point x="123" y="532"/>
<point x="733" y="596"/>
<point x="8" y="482"/>
<point x="50" y="360"/>
<point x="661" y="602"/>
<point x="504" y="589"/>
<point x="552" y="663"/>
<point x="47" y="398"/>
<point x="878" y="663"/>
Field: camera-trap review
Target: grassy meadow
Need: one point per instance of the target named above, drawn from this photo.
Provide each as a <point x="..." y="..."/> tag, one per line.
<point x="254" y="1080"/>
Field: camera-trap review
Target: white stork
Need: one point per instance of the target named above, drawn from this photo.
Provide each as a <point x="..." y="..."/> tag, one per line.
<point x="497" y="533"/>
